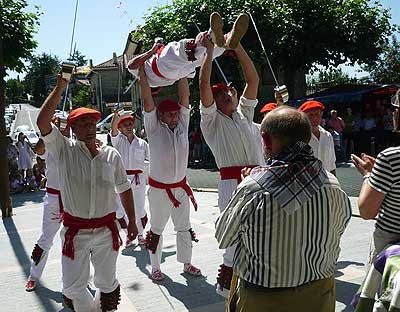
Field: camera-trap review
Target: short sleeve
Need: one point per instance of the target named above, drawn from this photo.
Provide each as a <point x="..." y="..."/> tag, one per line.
<point x="381" y="178"/>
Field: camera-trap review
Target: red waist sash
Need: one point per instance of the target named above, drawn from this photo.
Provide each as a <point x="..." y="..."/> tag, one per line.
<point x="183" y="184"/>
<point x="75" y="224"/>
<point x="234" y="172"/>
<point x="136" y="173"/>
<point x="58" y="193"/>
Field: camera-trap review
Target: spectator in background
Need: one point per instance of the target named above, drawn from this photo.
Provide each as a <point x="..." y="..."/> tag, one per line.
<point x="388" y="127"/>
<point x="195" y="142"/>
<point x="12" y="155"/>
<point x="338" y="125"/>
<point x="39" y="172"/>
<point x="348" y="132"/>
<point x="336" y="141"/>
<point x="25" y="154"/>
<point x="358" y="132"/>
<point x="17" y="184"/>
<point x="30" y="181"/>
<point x="369" y="129"/>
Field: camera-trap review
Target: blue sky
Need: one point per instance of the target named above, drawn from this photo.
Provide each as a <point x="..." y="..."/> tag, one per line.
<point x="102" y="26"/>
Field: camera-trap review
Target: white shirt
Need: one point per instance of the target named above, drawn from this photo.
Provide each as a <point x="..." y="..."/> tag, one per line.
<point x="324" y="149"/>
<point x="234" y="141"/>
<point x="168" y="149"/>
<point x="133" y="154"/>
<point x="51" y="170"/>
<point x="88" y="185"/>
<point x="173" y="63"/>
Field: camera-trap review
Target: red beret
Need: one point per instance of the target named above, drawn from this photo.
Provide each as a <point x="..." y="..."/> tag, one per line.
<point x="168" y="106"/>
<point x="308" y="105"/>
<point x="218" y="87"/>
<point x="125" y="117"/>
<point x="82" y="112"/>
<point x="268" y="107"/>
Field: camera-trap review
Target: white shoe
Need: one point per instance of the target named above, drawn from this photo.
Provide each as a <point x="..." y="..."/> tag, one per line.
<point x="217" y="29"/>
<point x="238" y="30"/>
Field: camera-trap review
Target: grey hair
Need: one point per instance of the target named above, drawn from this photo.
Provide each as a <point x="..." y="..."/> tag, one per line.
<point x="287" y="125"/>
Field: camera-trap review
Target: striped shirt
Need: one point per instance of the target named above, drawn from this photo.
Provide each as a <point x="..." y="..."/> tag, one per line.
<point x="385" y="178"/>
<point x="275" y="249"/>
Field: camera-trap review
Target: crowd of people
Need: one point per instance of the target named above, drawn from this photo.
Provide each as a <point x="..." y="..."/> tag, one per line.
<point x="283" y="211"/>
<point x="24" y="175"/>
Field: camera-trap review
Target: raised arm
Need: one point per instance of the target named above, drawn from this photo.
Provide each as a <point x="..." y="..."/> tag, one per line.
<point x="183" y="92"/>
<point x="146" y="91"/>
<point x="139" y="60"/>
<point x="114" y="122"/>
<point x="250" y="73"/>
<point x="206" y="96"/>
<point x="49" y="106"/>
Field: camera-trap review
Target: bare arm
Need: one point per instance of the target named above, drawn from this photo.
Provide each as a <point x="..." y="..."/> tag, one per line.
<point x="114" y="122"/>
<point x="40" y="147"/>
<point x="183" y="92"/>
<point x="206" y="96"/>
<point x="250" y="73"/>
<point x="146" y="91"/>
<point x="369" y="201"/>
<point x="50" y="104"/>
<point x="139" y="60"/>
<point x="129" y="207"/>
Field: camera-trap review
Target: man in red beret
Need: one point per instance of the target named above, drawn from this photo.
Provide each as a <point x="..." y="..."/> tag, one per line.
<point x="228" y="128"/>
<point x="52" y="212"/>
<point x="166" y="64"/>
<point x="268" y="108"/>
<point x="321" y="140"/>
<point x="167" y="127"/>
<point x="89" y="177"/>
<point x="133" y="152"/>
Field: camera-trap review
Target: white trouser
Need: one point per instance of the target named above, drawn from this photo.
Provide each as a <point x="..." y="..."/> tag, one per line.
<point x="90" y="246"/>
<point x="161" y="208"/>
<point x="225" y="191"/>
<point x="139" y="195"/>
<point x="50" y="224"/>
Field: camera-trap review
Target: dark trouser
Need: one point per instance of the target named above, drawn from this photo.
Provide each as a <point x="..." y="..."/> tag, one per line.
<point x="316" y="296"/>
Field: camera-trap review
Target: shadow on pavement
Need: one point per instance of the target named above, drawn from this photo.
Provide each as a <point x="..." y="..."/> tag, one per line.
<point x="345" y="292"/>
<point x="196" y="293"/>
<point x="21" y="199"/>
<point x="45" y="295"/>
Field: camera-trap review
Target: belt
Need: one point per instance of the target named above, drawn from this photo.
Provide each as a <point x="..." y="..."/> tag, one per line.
<point x="234" y="172"/>
<point x="58" y="193"/>
<point x="249" y="285"/>
<point x="75" y="224"/>
<point x="154" y="66"/>
<point x="183" y="184"/>
<point x="136" y="173"/>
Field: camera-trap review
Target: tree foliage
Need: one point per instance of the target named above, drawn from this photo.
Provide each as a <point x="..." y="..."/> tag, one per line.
<point x="387" y="67"/>
<point x="297" y="34"/>
<point x="331" y="75"/>
<point x="82" y="96"/>
<point x="79" y="58"/>
<point x="15" y="91"/>
<point x="41" y="67"/>
<point x="16" y="29"/>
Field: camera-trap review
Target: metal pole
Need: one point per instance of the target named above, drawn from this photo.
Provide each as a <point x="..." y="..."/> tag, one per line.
<point x="262" y="46"/>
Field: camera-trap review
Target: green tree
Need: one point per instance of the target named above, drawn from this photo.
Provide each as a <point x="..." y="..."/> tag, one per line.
<point x="15" y="91"/>
<point x="79" y="58"/>
<point x="40" y="70"/>
<point x="386" y="69"/>
<point x="81" y="96"/>
<point x="330" y="75"/>
<point x="16" y="45"/>
<point x="297" y="34"/>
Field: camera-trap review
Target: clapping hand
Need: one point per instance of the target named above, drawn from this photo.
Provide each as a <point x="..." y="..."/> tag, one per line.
<point x="364" y="164"/>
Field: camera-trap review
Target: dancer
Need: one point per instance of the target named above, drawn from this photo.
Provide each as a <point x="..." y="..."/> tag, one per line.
<point x="231" y="134"/>
<point x="89" y="177"/>
<point x="133" y="152"/>
<point x="167" y="127"/>
<point x="165" y="64"/>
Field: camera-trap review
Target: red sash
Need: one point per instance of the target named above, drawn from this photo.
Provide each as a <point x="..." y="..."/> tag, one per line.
<point x="154" y="62"/>
<point x="183" y="184"/>
<point x="136" y="173"/>
<point x="75" y="224"/>
<point x="234" y="172"/>
<point x="58" y="193"/>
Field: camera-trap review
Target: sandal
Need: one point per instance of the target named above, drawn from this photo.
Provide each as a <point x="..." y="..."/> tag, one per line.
<point x="191" y="270"/>
<point x="157" y="275"/>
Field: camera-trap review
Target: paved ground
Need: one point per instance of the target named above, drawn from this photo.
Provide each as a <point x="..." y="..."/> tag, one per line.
<point x="178" y="292"/>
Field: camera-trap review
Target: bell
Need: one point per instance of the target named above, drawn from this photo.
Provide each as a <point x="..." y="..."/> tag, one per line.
<point x="67" y="69"/>
<point x="118" y="107"/>
<point x="283" y="92"/>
